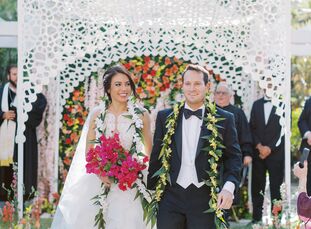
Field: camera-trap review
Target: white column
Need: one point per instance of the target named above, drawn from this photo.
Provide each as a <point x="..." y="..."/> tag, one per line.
<point x="287" y="99"/>
<point x="20" y="104"/>
<point x="57" y="127"/>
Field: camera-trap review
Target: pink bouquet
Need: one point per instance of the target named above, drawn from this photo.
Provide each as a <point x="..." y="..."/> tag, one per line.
<point x="110" y="159"/>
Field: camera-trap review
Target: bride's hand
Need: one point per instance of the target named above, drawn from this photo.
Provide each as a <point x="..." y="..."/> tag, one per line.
<point x="106" y="181"/>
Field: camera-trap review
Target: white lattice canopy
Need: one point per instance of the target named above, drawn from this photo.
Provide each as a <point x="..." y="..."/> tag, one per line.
<point x="70" y="39"/>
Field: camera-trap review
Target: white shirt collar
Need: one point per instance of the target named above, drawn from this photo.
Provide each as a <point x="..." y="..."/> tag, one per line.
<point x="201" y="107"/>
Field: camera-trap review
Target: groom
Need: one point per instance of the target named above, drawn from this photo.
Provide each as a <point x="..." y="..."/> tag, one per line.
<point x="186" y="197"/>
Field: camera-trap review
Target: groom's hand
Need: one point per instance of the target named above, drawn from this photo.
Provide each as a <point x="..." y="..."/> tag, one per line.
<point x="225" y="199"/>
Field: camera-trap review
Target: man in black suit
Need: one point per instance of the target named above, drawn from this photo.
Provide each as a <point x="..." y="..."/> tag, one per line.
<point x="222" y="96"/>
<point x="304" y="124"/>
<point x="187" y="196"/>
<point x="268" y="154"/>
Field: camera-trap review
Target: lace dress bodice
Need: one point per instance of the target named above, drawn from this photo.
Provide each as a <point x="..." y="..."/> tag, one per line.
<point x="124" y="128"/>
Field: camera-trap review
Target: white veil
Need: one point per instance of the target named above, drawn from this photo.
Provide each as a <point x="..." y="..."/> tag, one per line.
<point x="75" y="209"/>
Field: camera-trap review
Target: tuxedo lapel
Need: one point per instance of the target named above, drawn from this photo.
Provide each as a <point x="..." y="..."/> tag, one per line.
<point x="203" y="132"/>
<point x="178" y="132"/>
<point x="262" y="112"/>
<point x="272" y="113"/>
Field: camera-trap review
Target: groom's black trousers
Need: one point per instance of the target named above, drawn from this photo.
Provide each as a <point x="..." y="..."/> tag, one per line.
<point x="183" y="208"/>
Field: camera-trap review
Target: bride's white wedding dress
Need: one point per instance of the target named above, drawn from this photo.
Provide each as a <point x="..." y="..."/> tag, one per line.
<point x="76" y="209"/>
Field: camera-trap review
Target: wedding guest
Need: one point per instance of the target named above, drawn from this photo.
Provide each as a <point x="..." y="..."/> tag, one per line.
<point x="303" y="201"/>
<point x="304" y="124"/>
<point x="8" y="147"/>
<point x="222" y="96"/>
<point x="268" y="146"/>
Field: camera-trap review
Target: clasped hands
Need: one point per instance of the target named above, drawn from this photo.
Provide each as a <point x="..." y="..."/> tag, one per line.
<point x="9" y="115"/>
<point x="264" y="151"/>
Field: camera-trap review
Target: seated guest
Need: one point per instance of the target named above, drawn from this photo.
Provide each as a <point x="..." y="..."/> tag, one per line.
<point x="303" y="201"/>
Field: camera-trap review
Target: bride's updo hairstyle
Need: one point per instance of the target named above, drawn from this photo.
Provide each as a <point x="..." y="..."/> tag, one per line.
<point x="111" y="72"/>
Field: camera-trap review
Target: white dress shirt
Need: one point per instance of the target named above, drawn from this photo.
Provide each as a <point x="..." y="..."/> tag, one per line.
<point x="191" y="129"/>
<point x="267" y="109"/>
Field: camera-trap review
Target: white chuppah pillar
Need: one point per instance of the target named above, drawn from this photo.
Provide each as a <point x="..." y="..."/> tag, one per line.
<point x="20" y="100"/>
<point x="287" y="99"/>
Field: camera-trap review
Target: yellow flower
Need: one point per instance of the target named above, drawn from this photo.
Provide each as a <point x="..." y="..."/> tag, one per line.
<point x="213" y="154"/>
<point x="166" y="165"/>
<point x="163" y="178"/>
<point x="212" y="119"/>
<point x="219" y="214"/>
<point x="210" y="126"/>
<point x="214" y="167"/>
<point x="158" y="195"/>
<point x="213" y="144"/>
<point x="213" y="181"/>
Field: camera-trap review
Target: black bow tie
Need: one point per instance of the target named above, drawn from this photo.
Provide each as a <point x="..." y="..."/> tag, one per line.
<point x="266" y="100"/>
<point x="197" y="113"/>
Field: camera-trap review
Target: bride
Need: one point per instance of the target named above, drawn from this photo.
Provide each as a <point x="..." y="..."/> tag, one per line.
<point x="123" y="210"/>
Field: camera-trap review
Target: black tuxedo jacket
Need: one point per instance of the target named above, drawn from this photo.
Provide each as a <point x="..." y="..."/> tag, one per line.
<point x="230" y="162"/>
<point x="304" y="123"/>
<point x="266" y="134"/>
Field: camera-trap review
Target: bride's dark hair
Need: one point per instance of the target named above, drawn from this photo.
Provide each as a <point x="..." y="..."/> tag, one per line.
<point x="111" y="72"/>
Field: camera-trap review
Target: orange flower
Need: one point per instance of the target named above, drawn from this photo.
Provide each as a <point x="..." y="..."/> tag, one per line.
<point x="145" y="68"/>
<point x="167" y="61"/>
<point x="165" y="80"/>
<point x="76" y="93"/>
<point x="138" y="69"/>
<point x="23" y="221"/>
<point x="175" y="69"/>
<point x="67" y="161"/>
<point x="151" y="91"/>
<point x="149" y="82"/>
<point x="168" y="72"/>
<point x="74" y="137"/>
<point x="70" y="122"/>
<point x="7" y="212"/>
<point x="139" y="90"/>
<point x="79" y="108"/>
